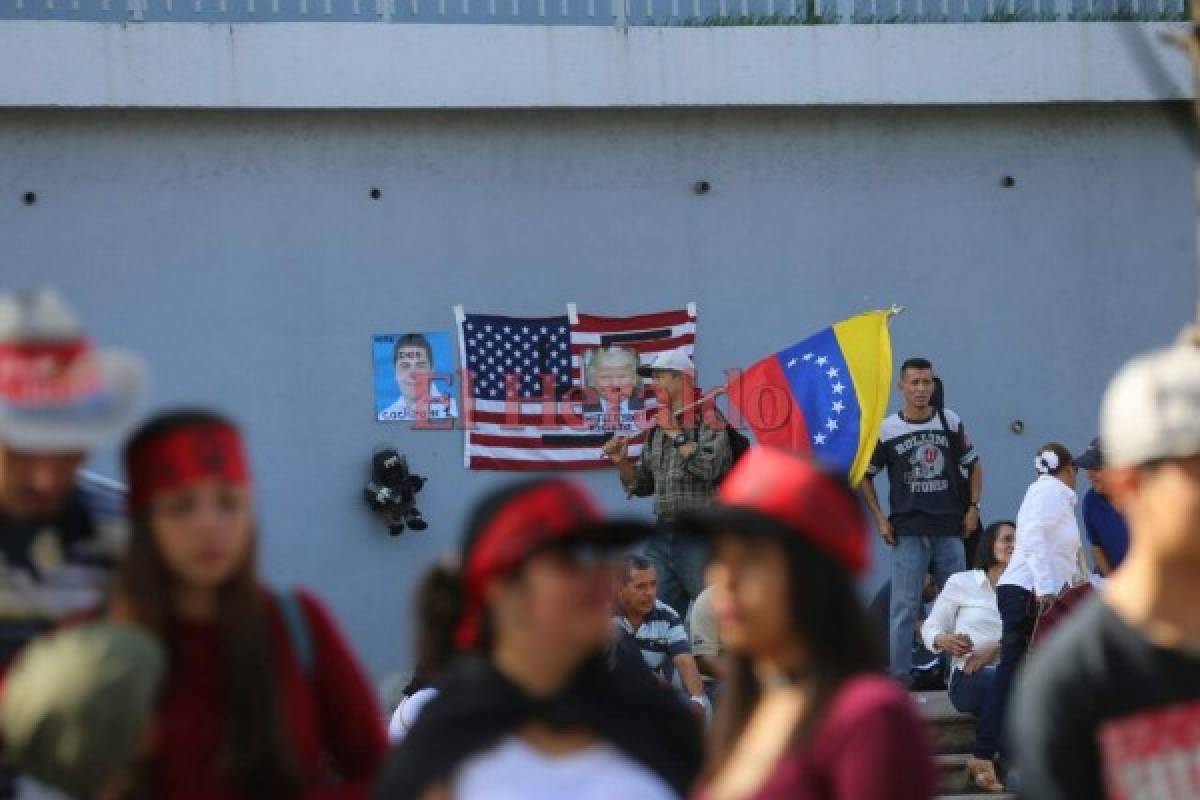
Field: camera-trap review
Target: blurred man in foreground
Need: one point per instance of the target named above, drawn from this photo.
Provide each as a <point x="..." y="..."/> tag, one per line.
<point x="1111" y="706"/>
<point x="60" y="397"/>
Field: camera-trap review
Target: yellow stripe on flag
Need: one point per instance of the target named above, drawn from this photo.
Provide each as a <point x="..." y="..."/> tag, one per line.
<point x="867" y="347"/>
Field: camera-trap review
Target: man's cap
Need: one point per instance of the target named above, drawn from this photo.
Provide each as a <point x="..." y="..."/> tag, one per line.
<point x="1151" y="409"/>
<point x="773" y="492"/>
<point x="58" y="391"/>
<point x="676" y="360"/>
<point x="77" y="703"/>
<point x="543" y="514"/>
<point x="1093" y="457"/>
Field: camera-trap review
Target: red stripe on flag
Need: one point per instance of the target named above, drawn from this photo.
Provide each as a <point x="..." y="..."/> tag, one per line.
<point x="519" y="465"/>
<point x="664" y="319"/>
<point x="763" y="398"/>
<point x="562" y="441"/>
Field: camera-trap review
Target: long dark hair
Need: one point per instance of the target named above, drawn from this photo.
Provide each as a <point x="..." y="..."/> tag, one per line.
<point x="985" y="552"/>
<point x="829" y="621"/>
<point x="440" y="596"/>
<point x="258" y="754"/>
<point x="438" y="604"/>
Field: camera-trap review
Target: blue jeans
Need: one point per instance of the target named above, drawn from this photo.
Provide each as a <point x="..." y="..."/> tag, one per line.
<point x="679" y="562"/>
<point x="913" y="557"/>
<point x="968" y="693"/>
<point x="1017" y="615"/>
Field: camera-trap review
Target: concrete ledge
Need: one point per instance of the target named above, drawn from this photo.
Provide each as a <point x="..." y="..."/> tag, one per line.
<point x="376" y="66"/>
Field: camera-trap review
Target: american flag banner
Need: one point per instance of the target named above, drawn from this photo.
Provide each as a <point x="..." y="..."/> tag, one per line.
<point x="531" y="401"/>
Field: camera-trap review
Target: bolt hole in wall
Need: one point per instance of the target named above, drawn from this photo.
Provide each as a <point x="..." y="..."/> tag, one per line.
<point x="376" y="193"/>
<point x="29" y="198"/>
<point x="1008" y="182"/>
<point x="701" y="187"/>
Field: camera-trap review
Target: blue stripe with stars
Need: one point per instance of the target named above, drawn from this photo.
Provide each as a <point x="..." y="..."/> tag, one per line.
<point x="517" y="351"/>
<point x="823" y="390"/>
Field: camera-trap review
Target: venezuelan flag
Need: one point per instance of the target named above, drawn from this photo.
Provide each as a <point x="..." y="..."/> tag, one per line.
<point x="826" y="395"/>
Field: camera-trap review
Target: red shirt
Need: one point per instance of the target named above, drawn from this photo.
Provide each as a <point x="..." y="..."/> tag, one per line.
<point x="330" y="712"/>
<point x="870" y="745"/>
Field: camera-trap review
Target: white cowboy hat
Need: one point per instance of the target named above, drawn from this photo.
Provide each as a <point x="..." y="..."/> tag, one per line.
<point x="58" y="392"/>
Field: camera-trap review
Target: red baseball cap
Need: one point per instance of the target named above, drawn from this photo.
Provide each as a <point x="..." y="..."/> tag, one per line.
<point x="774" y="492"/>
<point x="513" y="524"/>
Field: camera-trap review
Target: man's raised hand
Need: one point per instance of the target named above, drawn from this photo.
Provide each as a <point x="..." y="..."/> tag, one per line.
<point x="617" y="449"/>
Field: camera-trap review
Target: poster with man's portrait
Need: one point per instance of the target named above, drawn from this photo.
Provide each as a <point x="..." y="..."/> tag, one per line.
<point x="414" y="377"/>
<point x="616" y="395"/>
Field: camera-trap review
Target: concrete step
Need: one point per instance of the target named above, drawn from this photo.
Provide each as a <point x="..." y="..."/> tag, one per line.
<point x="953" y="731"/>
<point x="936" y="706"/>
<point x="952" y="772"/>
<point x="952" y="777"/>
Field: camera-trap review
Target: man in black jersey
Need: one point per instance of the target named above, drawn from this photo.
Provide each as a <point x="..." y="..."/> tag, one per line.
<point x="923" y="450"/>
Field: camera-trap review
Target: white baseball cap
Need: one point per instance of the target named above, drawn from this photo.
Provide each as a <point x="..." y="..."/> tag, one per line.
<point x="1151" y="409"/>
<point x="676" y="360"/>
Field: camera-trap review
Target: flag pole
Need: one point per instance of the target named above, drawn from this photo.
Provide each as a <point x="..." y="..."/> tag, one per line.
<point x="704" y="398"/>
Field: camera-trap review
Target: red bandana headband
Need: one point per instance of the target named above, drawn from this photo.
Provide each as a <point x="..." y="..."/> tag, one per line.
<point x="182" y="457"/>
<point x="543" y="514"/>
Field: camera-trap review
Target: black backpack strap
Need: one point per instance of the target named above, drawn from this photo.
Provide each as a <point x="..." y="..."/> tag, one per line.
<point x="299" y="634"/>
<point x="956" y="448"/>
<point x="941" y="414"/>
<point x="962" y="486"/>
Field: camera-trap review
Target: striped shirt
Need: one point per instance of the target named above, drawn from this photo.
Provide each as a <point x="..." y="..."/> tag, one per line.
<point x="661" y="636"/>
<point x="55" y="568"/>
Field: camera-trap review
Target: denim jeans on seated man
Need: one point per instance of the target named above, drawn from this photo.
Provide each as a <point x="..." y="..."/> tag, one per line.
<point x="968" y="692"/>
<point x="914" y="557"/>
<point x="679" y="562"/>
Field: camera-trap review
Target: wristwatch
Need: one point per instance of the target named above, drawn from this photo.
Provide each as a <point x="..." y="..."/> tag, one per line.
<point x="976" y="506"/>
<point x="679" y="439"/>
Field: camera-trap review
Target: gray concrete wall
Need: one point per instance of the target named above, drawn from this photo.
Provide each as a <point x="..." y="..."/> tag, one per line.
<point x="286" y="65"/>
<point x="242" y="254"/>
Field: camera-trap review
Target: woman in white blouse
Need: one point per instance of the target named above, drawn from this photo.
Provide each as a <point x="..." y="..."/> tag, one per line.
<point x="1044" y="560"/>
<point x="966" y="623"/>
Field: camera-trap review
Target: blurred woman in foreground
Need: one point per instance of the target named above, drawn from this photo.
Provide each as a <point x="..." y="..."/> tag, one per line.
<point x="805" y="713"/>
<point x="533" y="708"/>
<point x="262" y="697"/>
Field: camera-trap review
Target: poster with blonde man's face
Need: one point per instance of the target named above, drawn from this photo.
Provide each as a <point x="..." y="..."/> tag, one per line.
<point x="611" y="375"/>
<point x="612" y="371"/>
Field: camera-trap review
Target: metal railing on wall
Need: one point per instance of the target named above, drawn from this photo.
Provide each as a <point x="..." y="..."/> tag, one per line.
<point x="597" y="12"/>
